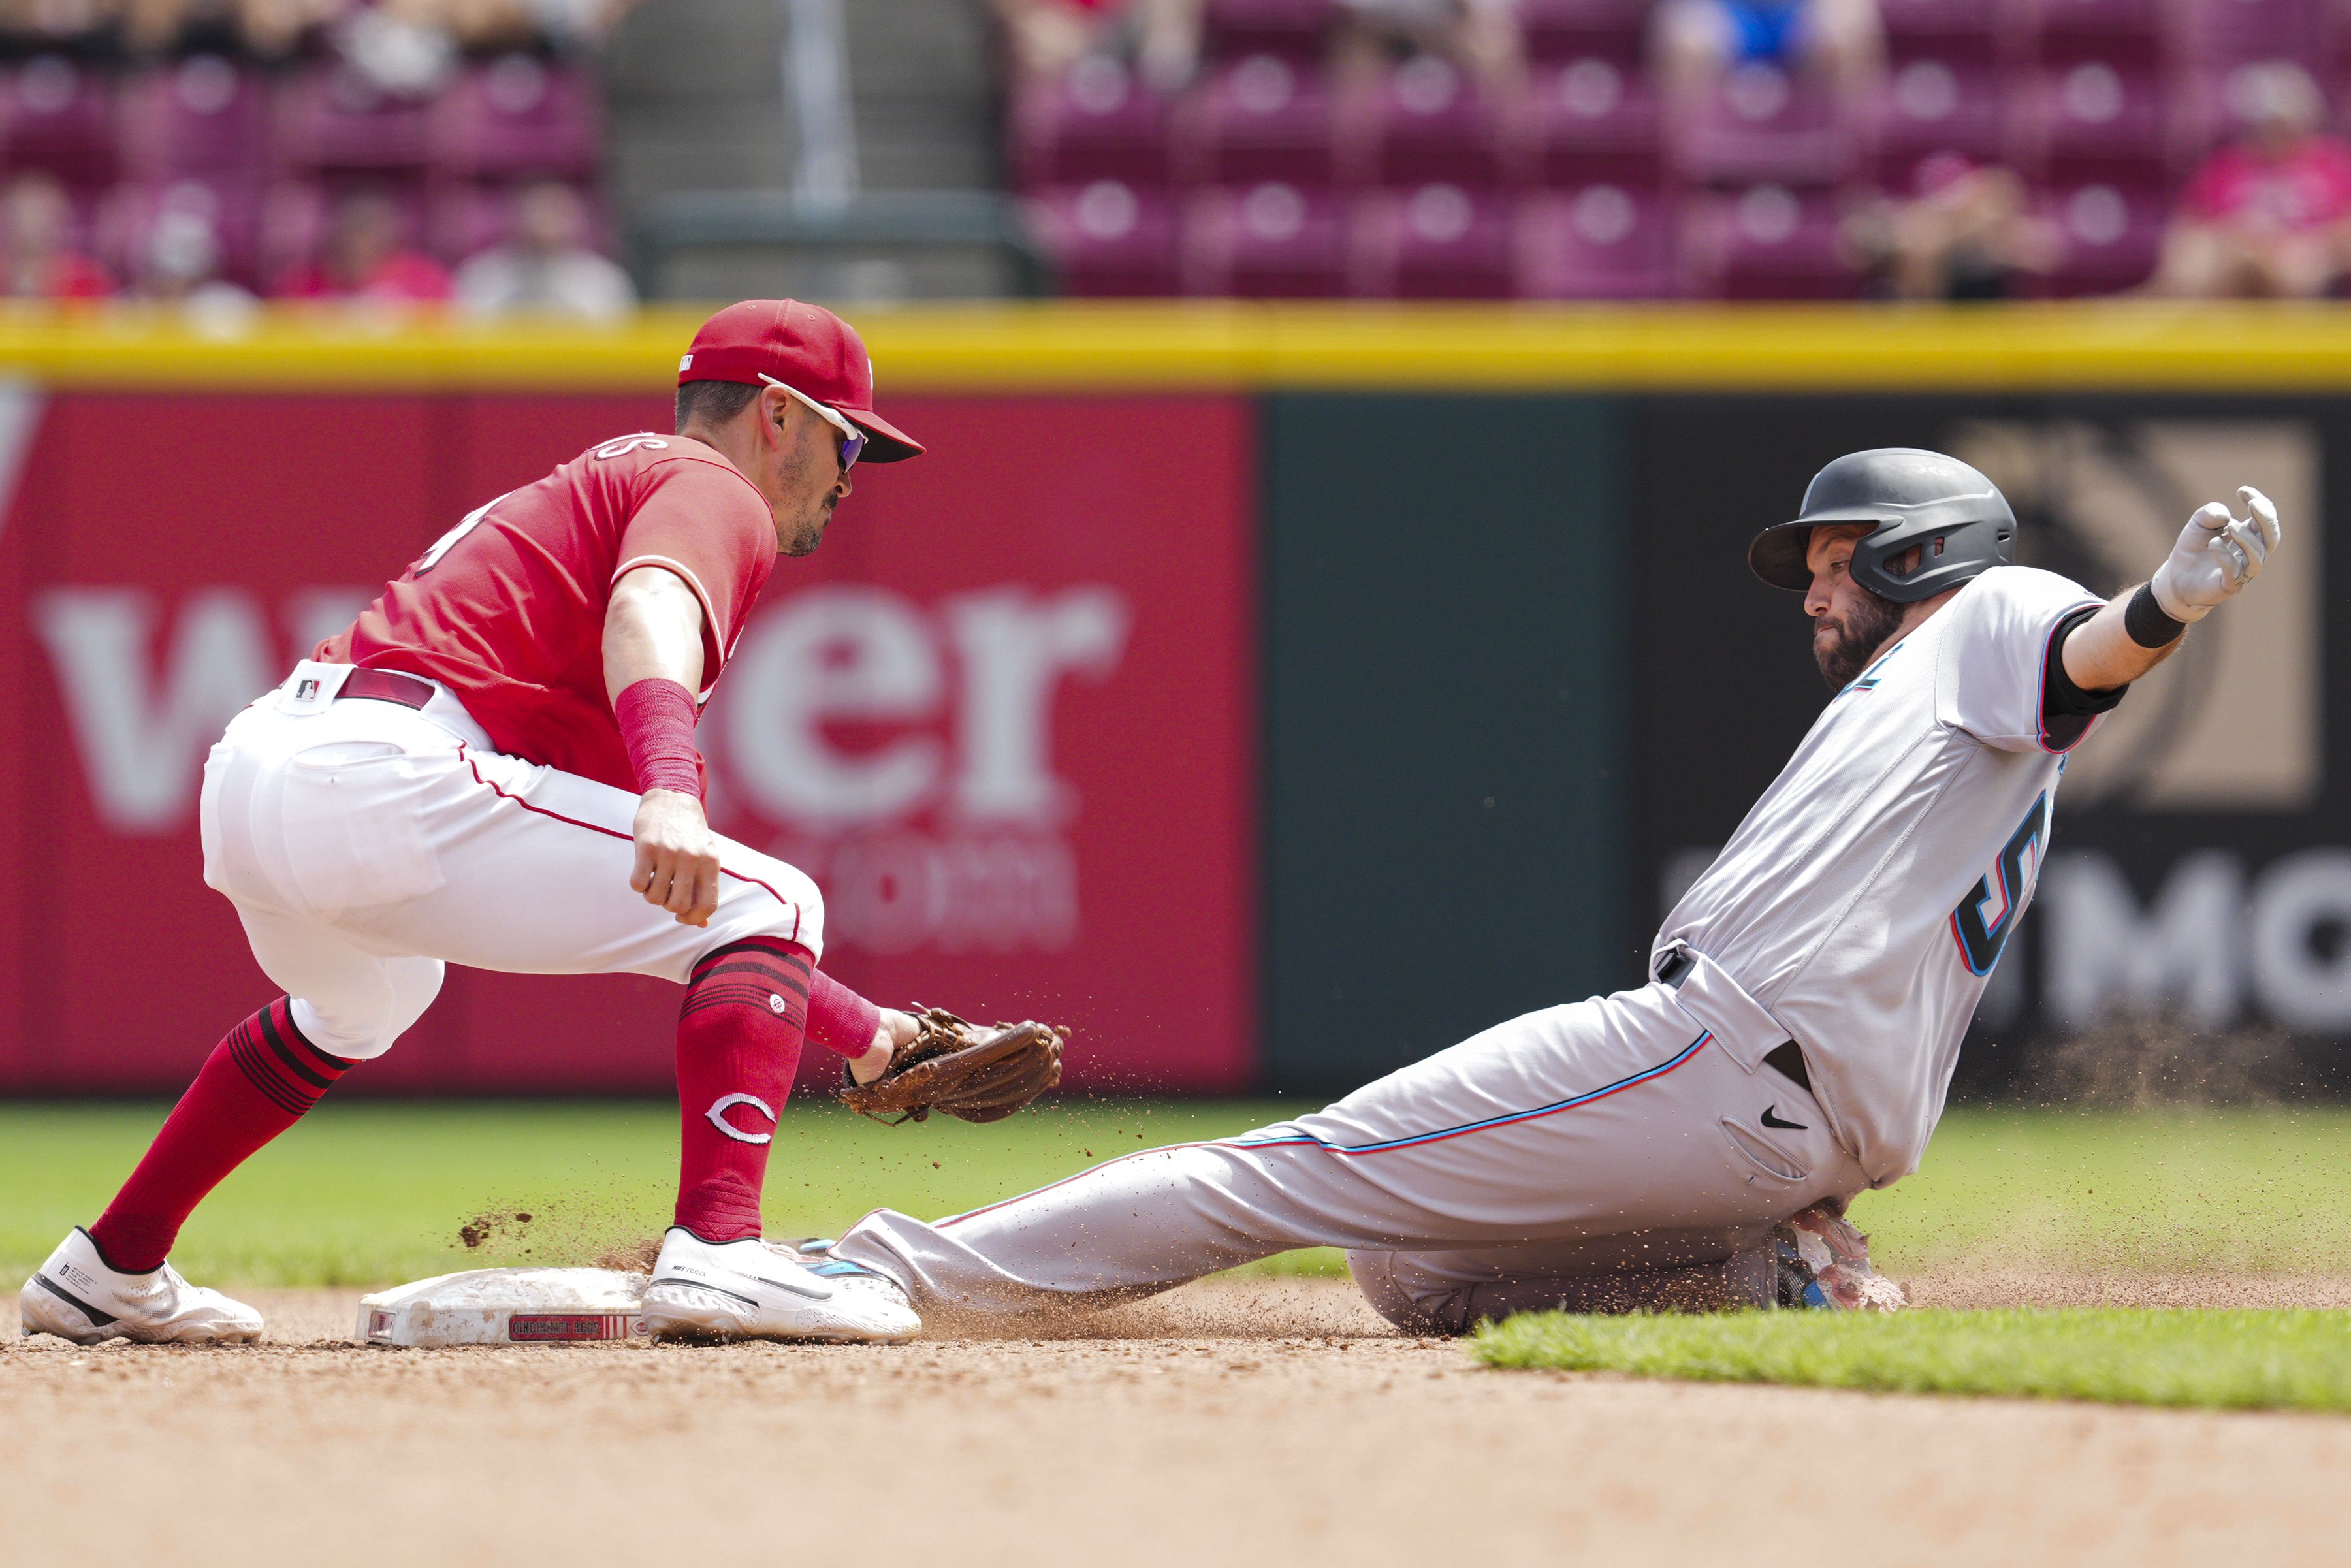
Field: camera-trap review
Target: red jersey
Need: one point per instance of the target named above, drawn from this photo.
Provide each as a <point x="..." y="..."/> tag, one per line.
<point x="507" y="609"/>
<point x="2307" y="186"/>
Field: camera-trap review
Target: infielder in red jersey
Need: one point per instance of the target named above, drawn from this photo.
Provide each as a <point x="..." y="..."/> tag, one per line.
<point x="495" y="766"/>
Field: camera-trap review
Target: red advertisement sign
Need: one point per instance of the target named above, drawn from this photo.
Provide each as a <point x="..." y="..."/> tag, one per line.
<point x="1006" y="717"/>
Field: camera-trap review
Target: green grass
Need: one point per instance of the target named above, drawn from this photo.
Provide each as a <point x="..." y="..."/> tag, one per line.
<point x="2215" y="1360"/>
<point x="2155" y="1192"/>
<point x="368" y="1194"/>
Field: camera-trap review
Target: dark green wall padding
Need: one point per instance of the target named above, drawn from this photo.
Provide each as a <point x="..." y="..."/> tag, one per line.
<point x="1446" y="623"/>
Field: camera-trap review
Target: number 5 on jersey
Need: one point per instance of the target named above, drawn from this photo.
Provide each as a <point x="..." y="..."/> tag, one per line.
<point x="1982" y="923"/>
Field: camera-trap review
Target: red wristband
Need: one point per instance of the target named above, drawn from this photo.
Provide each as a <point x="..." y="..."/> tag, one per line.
<point x="838" y="1018"/>
<point x="656" y="720"/>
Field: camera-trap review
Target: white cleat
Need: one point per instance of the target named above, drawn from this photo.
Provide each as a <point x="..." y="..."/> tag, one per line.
<point x="77" y="1296"/>
<point x="763" y="1290"/>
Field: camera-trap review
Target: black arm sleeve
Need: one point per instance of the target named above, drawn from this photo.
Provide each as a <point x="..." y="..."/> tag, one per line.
<point x="2066" y="707"/>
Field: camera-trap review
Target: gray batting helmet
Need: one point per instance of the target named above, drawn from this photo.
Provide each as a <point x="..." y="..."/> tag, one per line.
<point x="1957" y="518"/>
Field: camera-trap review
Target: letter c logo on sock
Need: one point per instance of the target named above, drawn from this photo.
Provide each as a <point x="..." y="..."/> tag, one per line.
<point x="718" y="1115"/>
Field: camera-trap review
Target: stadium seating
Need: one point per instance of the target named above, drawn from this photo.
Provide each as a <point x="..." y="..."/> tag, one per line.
<point x="1603" y="241"/>
<point x="258" y="157"/>
<point x="1269" y="241"/>
<point x="1587" y="189"/>
<point x="1437" y="242"/>
<point x="1596" y="119"/>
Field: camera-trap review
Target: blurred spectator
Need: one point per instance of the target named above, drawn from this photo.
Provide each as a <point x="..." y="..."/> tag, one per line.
<point x="1161" y="36"/>
<point x="1966" y="233"/>
<point x="265" y="29"/>
<point x="35" y="230"/>
<point x="1697" y="42"/>
<point x="89" y="28"/>
<point x="180" y="265"/>
<point x="546" y="267"/>
<point x="1481" y="37"/>
<point x="2270" y="215"/>
<point x="366" y="259"/>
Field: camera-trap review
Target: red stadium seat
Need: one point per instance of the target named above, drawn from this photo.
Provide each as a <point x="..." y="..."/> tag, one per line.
<point x="1562" y="30"/>
<point x="1930" y="106"/>
<point x="1595" y="119"/>
<point x="202" y="116"/>
<point x="1440" y="242"/>
<point x="1107" y="238"/>
<point x="2113" y="237"/>
<point x="1975" y="32"/>
<point x="516" y="118"/>
<point x="1098" y="121"/>
<point x="1431" y="123"/>
<point x="1295" y="29"/>
<point x="2095" y="121"/>
<point x="1263" y="118"/>
<point x="2218" y="34"/>
<point x="330" y="118"/>
<point x="1269" y="241"/>
<point x="2118" y="32"/>
<point x="58" y="116"/>
<point x="1603" y="241"/>
<point x="1764" y="126"/>
<point x="1768" y="242"/>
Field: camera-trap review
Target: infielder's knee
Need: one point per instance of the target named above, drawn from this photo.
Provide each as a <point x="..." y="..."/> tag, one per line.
<point x="776" y="901"/>
<point x="361" y="1020"/>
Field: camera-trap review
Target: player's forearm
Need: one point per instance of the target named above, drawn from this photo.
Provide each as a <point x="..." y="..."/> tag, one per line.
<point x="653" y="632"/>
<point x="2101" y="654"/>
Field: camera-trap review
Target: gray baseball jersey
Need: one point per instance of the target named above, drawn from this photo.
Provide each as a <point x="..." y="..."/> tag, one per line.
<point x="1866" y="896"/>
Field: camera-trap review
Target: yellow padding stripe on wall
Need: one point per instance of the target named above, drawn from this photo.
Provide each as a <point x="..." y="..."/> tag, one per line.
<point x="2114" y="345"/>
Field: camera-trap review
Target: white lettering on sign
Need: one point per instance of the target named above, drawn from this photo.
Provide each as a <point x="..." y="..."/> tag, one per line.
<point x="142" y="731"/>
<point x="2101" y="948"/>
<point x="890" y="891"/>
<point x="834" y="656"/>
<point x="1015" y="648"/>
<point x="2211" y="940"/>
<point x="838" y="656"/>
<point x="851" y="711"/>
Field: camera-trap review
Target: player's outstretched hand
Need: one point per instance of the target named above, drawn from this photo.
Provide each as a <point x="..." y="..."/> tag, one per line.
<point x="2217" y="555"/>
<point x="678" y="857"/>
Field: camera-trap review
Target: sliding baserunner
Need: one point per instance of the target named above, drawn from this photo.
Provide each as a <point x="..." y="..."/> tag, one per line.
<point x="1695" y="1141"/>
<point x="495" y="766"/>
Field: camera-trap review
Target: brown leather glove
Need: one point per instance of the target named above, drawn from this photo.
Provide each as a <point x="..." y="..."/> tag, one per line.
<point x="966" y="1071"/>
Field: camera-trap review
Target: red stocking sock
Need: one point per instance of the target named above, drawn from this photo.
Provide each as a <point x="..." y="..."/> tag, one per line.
<point x="255" y="1086"/>
<point x="739" y="1040"/>
<point x="838" y="1018"/>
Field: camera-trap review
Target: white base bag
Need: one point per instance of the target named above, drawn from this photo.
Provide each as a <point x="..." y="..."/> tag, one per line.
<point x="507" y="1306"/>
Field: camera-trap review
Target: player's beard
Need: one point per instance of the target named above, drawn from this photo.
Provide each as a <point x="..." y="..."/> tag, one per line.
<point x="810" y="532"/>
<point x="1842" y="646"/>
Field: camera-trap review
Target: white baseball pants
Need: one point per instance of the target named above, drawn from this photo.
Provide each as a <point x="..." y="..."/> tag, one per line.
<point x="1528" y="1166"/>
<point x="365" y="844"/>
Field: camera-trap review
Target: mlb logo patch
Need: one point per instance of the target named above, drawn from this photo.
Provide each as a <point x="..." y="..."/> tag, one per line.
<point x="306" y="688"/>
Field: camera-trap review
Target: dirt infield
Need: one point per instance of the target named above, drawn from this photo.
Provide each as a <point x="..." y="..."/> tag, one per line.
<point x="1258" y="1422"/>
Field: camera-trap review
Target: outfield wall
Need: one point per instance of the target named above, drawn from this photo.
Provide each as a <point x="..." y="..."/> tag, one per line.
<point x="1278" y="694"/>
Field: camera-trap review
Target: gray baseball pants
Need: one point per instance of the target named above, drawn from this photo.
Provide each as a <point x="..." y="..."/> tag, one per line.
<point x="1587" y="1155"/>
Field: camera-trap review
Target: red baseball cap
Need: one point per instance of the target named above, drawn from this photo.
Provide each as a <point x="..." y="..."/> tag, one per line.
<point x="806" y="348"/>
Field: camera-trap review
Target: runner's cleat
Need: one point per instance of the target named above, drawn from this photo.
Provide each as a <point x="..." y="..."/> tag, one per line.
<point x="768" y="1289"/>
<point x="1822" y="1261"/>
<point x="77" y="1295"/>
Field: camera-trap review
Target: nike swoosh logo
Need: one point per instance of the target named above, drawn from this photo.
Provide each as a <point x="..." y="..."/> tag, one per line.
<point x="1771" y="1121"/>
<point x="795" y="1290"/>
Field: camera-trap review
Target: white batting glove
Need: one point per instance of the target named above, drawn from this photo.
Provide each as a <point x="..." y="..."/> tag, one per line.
<point x="2217" y="555"/>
